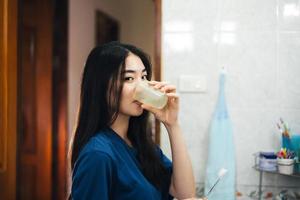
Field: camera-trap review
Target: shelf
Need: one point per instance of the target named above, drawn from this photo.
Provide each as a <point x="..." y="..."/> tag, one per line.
<point x="261" y="171"/>
<point x="296" y="175"/>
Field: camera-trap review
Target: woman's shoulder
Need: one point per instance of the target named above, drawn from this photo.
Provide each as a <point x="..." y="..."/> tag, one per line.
<point x="98" y="143"/>
<point x="97" y="152"/>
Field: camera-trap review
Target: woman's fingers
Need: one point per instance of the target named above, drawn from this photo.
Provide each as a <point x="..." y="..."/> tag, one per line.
<point x="153" y="82"/>
<point x="163" y="86"/>
<point x="168" y="88"/>
<point x="174" y="95"/>
<point x="157" y="84"/>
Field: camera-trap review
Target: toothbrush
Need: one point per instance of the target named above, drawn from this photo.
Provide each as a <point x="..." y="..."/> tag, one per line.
<point x="284" y="124"/>
<point x="221" y="173"/>
<point x="279" y="128"/>
<point x="286" y="128"/>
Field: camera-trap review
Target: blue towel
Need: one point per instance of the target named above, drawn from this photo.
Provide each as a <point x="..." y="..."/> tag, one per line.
<point x="221" y="152"/>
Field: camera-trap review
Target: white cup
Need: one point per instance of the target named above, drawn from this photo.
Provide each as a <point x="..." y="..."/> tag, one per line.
<point x="148" y="95"/>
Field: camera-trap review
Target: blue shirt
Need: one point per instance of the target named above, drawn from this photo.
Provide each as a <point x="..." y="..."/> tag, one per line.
<point x="108" y="168"/>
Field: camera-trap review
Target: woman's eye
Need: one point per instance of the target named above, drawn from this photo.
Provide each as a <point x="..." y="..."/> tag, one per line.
<point x="128" y="78"/>
<point x="144" y="77"/>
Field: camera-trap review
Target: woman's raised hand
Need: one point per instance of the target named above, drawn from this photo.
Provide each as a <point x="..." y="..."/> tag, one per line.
<point x="169" y="114"/>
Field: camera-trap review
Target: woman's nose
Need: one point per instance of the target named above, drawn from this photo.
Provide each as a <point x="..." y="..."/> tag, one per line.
<point x="139" y="79"/>
<point x="137" y="82"/>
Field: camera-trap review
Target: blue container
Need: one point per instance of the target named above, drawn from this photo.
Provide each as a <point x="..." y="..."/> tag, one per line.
<point x="268" y="155"/>
<point x="295" y="141"/>
<point x="286" y="143"/>
<point x="297" y="167"/>
<point x="268" y="161"/>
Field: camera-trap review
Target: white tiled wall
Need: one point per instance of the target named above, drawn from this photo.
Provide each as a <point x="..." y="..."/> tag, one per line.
<point x="258" y="42"/>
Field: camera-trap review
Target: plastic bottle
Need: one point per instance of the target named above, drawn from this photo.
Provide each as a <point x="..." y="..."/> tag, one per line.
<point x="148" y="95"/>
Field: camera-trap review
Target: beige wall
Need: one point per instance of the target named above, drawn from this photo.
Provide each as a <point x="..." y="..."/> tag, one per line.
<point x="136" y="18"/>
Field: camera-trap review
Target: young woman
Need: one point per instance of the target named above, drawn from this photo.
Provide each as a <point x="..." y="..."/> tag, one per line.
<point x="113" y="155"/>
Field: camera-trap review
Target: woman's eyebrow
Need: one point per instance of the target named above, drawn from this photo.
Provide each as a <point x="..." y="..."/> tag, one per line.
<point x="132" y="71"/>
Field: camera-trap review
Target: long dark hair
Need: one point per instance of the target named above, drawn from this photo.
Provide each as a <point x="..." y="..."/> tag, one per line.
<point x="101" y="89"/>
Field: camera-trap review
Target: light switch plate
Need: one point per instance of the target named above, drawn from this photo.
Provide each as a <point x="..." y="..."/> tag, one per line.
<point x="192" y="83"/>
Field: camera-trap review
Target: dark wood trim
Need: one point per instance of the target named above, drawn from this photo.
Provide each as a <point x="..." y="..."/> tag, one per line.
<point x="34" y="172"/>
<point x="8" y="95"/>
<point x="157" y="57"/>
<point x="59" y="100"/>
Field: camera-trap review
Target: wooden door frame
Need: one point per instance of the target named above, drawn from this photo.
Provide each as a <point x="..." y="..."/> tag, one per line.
<point x="59" y="99"/>
<point x="8" y="95"/>
<point x="9" y="103"/>
<point x="157" y="56"/>
<point x="34" y="142"/>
